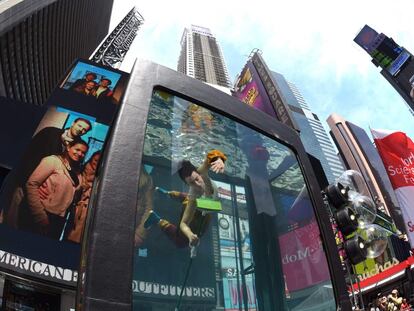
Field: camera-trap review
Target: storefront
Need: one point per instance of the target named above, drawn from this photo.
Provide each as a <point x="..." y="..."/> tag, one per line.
<point x="385" y="278"/>
<point x="20" y="294"/>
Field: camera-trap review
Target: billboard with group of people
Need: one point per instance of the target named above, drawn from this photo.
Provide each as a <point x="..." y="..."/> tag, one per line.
<point x="44" y="200"/>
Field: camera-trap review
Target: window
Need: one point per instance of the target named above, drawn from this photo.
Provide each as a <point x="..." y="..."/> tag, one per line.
<point x="258" y="237"/>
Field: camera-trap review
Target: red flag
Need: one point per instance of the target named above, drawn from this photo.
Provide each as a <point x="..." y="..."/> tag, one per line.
<point x="397" y="154"/>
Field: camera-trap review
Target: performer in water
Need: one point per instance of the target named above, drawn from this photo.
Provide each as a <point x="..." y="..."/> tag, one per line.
<point x="193" y="222"/>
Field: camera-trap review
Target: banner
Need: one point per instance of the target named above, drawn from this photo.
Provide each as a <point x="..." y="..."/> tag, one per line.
<point x="397" y="153"/>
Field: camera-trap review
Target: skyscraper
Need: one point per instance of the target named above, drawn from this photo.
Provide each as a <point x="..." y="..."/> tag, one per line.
<point x="358" y="153"/>
<point x="312" y="133"/>
<point x="201" y="57"/>
<point x="40" y="39"/>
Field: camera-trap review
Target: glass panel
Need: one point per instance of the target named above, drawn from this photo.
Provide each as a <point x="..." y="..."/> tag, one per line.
<point x="252" y="223"/>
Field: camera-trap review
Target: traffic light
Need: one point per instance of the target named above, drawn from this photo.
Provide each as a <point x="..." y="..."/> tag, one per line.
<point x="354" y="214"/>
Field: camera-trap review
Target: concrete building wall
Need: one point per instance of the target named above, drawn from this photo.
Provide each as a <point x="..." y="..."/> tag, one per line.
<point x="40" y="39"/>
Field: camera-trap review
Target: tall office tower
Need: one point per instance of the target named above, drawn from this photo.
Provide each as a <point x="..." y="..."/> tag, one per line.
<point x="312" y="133"/>
<point x="358" y="153"/>
<point x="40" y="39"/>
<point x="201" y="57"/>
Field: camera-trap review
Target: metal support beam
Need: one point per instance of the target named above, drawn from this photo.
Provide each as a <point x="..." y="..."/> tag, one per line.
<point x="113" y="49"/>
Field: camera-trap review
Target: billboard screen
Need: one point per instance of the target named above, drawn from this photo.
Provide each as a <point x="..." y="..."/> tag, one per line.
<point x="44" y="200"/>
<point x="257" y="88"/>
<point x="385" y="52"/>
<point x="396" y="65"/>
<point x="249" y="90"/>
<point x="95" y="82"/>
<point x="365" y="38"/>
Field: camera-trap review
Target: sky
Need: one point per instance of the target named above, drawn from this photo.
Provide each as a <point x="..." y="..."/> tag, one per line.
<point x="309" y="42"/>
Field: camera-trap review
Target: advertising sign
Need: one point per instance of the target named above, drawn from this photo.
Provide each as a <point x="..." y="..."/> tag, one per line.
<point x="44" y="201"/>
<point x="93" y="81"/>
<point x="282" y="111"/>
<point x="249" y="90"/>
<point x="385" y="52"/>
<point x="397" y="153"/>
<point x="302" y="251"/>
<point x="396" y="65"/>
<point x="365" y="38"/>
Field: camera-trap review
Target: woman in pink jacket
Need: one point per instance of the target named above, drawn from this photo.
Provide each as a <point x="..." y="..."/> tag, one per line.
<point x="51" y="189"/>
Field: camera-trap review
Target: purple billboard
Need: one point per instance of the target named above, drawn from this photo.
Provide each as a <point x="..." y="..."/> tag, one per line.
<point x="257" y="88"/>
<point x="249" y="90"/>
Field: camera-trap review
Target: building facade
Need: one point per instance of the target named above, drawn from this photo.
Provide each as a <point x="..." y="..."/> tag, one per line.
<point x="312" y="133"/>
<point x="201" y="57"/>
<point x="358" y="153"/>
<point x="40" y="39"/>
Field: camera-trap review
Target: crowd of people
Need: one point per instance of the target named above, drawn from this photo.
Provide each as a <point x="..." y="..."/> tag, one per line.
<point x="49" y="192"/>
<point x="89" y="87"/>
<point x="390" y="302"/>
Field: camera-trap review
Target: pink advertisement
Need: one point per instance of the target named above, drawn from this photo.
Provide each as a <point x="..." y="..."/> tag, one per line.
<point x="249" y="89"/>
<point x="304" y="262"/>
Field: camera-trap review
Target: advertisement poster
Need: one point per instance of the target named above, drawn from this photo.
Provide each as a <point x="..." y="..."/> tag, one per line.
<point x="44" y="201"/>
<point x="303" y="259"/>
<point x="96" y="82"/>
<point x="397" y="153"/>
<point x="249" y="90"/>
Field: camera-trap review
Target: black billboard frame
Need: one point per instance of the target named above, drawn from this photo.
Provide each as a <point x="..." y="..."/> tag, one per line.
<point x="108" y="257"/>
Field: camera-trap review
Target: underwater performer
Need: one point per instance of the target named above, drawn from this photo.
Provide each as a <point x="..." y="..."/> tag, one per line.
<point x="193" y="221"/>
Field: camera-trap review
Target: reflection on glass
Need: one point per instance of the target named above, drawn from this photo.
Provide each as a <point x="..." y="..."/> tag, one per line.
<point x="244" y="206"/>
